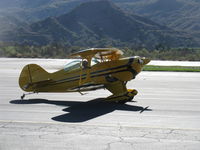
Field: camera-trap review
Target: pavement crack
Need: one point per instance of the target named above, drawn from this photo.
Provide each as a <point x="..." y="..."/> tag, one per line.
<point x="170" y="131"/>
<point x="42" y="136"/>
<point x="5" y="125"/>
<point x="109" y="145"/>
<point x="145" y="134"/>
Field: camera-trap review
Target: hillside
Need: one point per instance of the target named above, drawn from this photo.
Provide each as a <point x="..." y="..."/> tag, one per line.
<point x="99" y="23"/>
<point x="15" y="13"/>
<point x="36" y="10"/>
<point x="183" y="15"/>
<point x="176" y="14"/>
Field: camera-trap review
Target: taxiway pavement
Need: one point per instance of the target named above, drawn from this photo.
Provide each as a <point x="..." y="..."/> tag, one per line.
<point x="71" y="121"/>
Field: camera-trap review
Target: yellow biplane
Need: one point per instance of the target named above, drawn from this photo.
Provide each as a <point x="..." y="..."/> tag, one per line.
<point x="94" y="68"/>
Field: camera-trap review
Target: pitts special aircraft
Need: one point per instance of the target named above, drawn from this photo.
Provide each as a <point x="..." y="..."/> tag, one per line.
<point x="98" y="68"/>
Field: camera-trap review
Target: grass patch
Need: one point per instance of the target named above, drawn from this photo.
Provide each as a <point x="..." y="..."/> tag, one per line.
<point x="171" y="68"/>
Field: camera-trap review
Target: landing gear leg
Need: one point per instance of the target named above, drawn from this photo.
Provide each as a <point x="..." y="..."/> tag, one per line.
<point x="22" y="97"/>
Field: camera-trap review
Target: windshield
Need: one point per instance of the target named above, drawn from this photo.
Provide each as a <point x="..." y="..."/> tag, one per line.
<point x="75" y="64"/>
<point x="72" y="65"/>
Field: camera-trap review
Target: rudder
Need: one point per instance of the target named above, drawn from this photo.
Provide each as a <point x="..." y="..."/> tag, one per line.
<point x="31" y="74"/>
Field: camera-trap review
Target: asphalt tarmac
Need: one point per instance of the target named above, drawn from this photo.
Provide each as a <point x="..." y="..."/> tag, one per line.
<point x="165" y="114"/>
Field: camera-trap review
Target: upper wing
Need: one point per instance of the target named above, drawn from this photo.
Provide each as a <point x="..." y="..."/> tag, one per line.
<point x="101" y="53"/>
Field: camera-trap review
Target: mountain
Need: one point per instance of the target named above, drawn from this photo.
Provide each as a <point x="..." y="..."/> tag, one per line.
<point x="36" y="10"/>
<point x="15" y="13"/>
<point x="99" y="23"/>
<point x="183" y="15"/>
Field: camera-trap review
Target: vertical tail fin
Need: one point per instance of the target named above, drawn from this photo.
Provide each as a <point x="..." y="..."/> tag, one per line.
<point x="30" y="75"/>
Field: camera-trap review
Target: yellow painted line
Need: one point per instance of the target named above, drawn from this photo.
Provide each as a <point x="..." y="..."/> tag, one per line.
<point x="100" y="125"/>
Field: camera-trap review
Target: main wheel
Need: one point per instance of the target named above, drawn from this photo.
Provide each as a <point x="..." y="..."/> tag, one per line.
<point x="124" y="101"/>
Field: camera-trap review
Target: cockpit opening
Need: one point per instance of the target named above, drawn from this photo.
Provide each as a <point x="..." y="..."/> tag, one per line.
<point x="76" y="64"/>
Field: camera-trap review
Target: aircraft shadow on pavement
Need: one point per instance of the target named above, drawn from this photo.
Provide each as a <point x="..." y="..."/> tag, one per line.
<point x="83" y="111"/>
